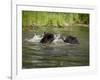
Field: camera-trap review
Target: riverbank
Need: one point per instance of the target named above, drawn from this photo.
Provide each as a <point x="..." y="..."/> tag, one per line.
<point x="44" y="28"/>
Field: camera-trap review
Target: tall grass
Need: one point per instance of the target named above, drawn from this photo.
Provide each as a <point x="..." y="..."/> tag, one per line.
<point x="52" y="19"/>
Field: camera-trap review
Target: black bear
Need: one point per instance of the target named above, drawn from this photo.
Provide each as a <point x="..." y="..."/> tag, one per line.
<point x="71" y="40"/>
<point x="47" y="38"/>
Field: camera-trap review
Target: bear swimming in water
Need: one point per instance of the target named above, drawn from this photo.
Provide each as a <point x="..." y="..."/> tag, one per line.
<point x="71" y="40"/>
<point x="47" y="38"/>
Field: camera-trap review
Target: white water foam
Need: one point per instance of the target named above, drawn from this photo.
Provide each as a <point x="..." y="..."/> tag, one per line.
<point x="35" y="38"/>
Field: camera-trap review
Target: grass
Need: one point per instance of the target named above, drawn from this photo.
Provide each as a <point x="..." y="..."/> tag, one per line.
<point x="38" y="20"/>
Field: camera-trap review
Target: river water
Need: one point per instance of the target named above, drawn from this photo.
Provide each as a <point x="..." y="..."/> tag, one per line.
<point x="37" y="55"/>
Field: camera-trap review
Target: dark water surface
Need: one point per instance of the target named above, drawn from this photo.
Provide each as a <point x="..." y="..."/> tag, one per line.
<point x="36" y="55"/>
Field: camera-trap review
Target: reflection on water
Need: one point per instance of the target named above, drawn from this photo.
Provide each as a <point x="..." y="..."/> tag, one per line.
<point x="37" y="55"/>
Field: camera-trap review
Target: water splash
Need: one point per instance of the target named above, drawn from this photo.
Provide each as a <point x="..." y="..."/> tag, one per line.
<point x="58" y="39"/>
<point x="35" y="38"/>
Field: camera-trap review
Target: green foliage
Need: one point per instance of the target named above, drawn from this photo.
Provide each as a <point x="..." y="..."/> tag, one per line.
<point x="38" y="19"/>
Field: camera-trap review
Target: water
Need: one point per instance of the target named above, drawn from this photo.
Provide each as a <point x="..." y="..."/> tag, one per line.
<point x="37" y="55"/>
